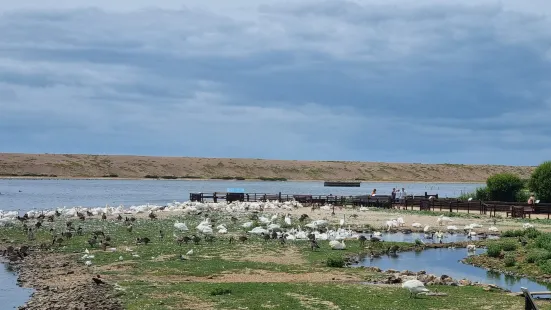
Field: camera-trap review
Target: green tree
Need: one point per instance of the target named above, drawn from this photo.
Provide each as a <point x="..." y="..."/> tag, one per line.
<point x="504" y="187"/>
<point x="540" y="182"/>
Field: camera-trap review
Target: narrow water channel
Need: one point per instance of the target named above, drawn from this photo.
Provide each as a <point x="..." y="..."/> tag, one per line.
<point x="11" y="295"/>
<point x="447" y="261"/>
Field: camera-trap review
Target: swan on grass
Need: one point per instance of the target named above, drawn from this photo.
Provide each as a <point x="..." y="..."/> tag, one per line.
<point x="180" y="226"/>
<point x="335" y="245"/>
<point x="415" y="287"/>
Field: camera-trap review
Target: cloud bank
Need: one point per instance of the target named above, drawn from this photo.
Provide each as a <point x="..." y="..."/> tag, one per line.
<point x="463" y="82"/>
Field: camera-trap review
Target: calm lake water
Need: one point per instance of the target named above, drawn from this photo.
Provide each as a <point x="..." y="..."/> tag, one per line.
<point x="447" y="261"/>
<point x="11" y="295"/>
<point x="24" y="195"/>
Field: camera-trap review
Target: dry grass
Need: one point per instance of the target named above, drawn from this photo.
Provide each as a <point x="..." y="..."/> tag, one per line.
<point x="91" y="166"/>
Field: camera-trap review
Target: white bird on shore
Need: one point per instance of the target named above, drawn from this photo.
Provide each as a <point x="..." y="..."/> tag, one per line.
<point x="335" y="245"/>
<point x="493" y="229"/>
<point x="190" y="252"/>
<point x="88" y="263"/>
<point x="287" y="220"/>
<point x="415" y="287"/>
<point x="443" y="219"/>
<point x="180" y="226"/>
<point x="527" y="225"/>
<point x="341" y="222"/>
<point x="471" y="248"/>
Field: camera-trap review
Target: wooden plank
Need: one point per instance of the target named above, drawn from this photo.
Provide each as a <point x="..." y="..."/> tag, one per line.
<point x="529" y="303"/>
<point x="540" y="293"/>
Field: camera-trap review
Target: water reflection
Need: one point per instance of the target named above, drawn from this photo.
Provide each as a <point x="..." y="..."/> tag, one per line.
<point x="410" y="238"/>
<point x="447" y="261"/>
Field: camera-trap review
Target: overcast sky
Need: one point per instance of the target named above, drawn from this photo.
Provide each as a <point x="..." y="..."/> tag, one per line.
<point x="400" y="81"/>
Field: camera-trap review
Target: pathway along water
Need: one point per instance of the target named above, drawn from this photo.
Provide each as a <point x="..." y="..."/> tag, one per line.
<point x="445" y="261"/>
<point x="11" y="295"/>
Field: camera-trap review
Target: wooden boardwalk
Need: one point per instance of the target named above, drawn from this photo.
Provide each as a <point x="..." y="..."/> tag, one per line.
<point x="426" y="202"/>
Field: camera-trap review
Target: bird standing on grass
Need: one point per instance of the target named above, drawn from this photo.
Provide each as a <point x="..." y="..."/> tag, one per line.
<point x="415" y="287"/>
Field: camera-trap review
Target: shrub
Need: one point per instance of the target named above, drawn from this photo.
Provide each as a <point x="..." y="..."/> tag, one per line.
<point x="337" y="262"/>
<point x="540" y="181"/>
<point x="494" y="250"/>
<point x="508" y="246"/>
<point x="480" y="193"/>
<point x="538" y="255"/>
<point x="151" y="176"/>
<point x="513" y="233"/>
<point x="169" y="177"/>
<point x="509" y="261"/>
<point x="504" y="186"/>
<point x="220" y="291"/>
<point x="543" y="241"/>
<point x="532" y="233"/>
<point x="418" y="242"/>
<point x="545" y="266"/>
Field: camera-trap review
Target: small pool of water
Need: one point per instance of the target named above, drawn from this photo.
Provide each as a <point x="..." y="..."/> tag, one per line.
<point x="11" y="295"/>
<point x="447" y="261"/>
<point x="448" y="238"/>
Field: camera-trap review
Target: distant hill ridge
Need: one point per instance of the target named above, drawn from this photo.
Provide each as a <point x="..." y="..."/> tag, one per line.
<point x="126" y="166"/>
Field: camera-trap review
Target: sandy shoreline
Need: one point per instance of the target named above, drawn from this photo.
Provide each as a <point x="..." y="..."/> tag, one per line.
<point x="59" y="283"/>
<point x="138" y="167"/>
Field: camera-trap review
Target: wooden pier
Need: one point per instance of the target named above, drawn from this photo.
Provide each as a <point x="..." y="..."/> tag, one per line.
<point x="426" y="202"/>
<point x="341" y="184"/>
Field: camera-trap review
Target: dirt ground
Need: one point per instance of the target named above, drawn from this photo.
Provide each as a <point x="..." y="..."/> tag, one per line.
<point x="93" y="166"/>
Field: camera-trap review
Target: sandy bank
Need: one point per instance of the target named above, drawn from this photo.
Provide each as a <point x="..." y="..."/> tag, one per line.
<point x="137" y="167"/>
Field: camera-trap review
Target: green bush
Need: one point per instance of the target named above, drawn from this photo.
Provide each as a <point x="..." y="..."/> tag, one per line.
<point x="545" y="266"/>
<point x="540" y="182"/>
<point x="220" y="291"/>
<point x="509" y="246"/>
<point x="480" y="193"/>
<point x="537" y="255"/>
<point x="504" y="187"/>
<point x="543" y="241"/>
<point x="509" y="261"/>
<point x="512" y="233"/>
<point x="494" y="250"/>
<point x="337" y="262"/>
<point x="532" y="233"/>
<point x="418" y="242"/>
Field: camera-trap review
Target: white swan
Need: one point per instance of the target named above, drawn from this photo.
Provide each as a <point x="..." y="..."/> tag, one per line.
<point x="415" y="287"/>
<point x="443" y="219"/>
<point x="180" y="226"/>
<point x="335" y="245"/>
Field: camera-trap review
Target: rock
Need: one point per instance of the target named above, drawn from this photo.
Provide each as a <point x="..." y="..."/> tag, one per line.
<point x="373" y="269"/>
<point x="407" y="273"/>
<point x="391" y="271"/>
<point x="394" y="279"/>
<point x="464" y="282"/>
<point x="421" y="272"/>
